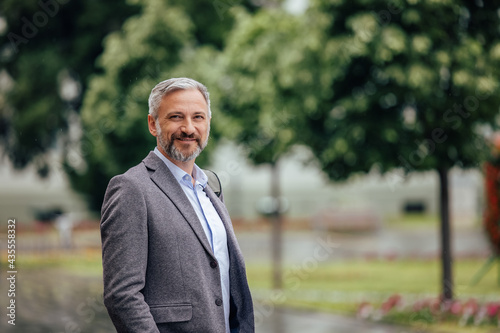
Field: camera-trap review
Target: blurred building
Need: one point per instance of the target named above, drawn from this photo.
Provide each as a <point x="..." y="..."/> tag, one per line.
<point x="306" y="191"/>
<point x="26" y="197"/>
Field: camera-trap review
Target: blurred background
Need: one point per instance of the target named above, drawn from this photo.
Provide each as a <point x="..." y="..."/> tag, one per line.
<point x="356" y="142"/>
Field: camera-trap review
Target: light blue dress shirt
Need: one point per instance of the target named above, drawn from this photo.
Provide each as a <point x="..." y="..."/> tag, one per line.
<point x="210" y="221"/>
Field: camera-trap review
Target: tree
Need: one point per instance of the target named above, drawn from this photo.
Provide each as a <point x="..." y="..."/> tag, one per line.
<point x="48" y="51"/>
<point x="114" y="110"/>
<point x="411" y="86"/>
<point x="260" y="95"/>
<point x="46" y="47"/>
<point x="167" y="39"/>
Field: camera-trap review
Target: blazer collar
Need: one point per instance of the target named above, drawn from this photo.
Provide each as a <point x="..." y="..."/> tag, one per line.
<point x="165" y="180"/>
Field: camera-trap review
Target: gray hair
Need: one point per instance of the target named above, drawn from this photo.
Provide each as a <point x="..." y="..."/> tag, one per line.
<point x="169" y="86"/>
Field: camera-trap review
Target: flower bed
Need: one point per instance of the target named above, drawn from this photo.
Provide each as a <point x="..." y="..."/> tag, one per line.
<point x="432" y="310"/>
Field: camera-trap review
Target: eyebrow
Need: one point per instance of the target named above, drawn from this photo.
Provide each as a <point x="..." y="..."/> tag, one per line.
<point x="171" y="113"/>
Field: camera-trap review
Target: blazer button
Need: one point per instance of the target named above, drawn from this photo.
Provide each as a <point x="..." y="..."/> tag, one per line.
<point x="213" y="264"/>
<point x="218" y="302"/>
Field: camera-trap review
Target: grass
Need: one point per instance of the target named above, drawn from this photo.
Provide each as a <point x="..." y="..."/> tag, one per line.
<point x="350" y="277"/>
<point x="340" y="287"/>
<point x="384" y="277"/>
<point x="336" y="287"/>
<point x="83" y="262"/>
<point x="413" y="220"/>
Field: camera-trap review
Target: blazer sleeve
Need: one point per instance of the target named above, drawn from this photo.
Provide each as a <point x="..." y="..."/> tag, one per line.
<point x="124" y="235"/>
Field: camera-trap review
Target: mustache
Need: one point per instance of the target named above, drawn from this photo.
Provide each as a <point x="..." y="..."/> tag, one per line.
<point x="184" y="135"/>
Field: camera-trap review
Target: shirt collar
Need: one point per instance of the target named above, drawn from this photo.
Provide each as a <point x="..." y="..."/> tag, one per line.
<point x="181" y="175"/>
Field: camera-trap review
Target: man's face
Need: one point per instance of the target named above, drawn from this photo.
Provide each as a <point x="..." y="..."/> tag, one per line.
<point x="182" y="127"/>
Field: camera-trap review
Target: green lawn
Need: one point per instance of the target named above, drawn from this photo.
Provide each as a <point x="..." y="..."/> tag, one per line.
<point x="340" y="287"/>
<point x="372" y="278"/>
<point x="386" y="277"/>
<point x="337" y="287"/>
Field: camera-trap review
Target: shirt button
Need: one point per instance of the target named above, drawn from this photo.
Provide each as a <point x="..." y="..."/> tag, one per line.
<point x="218" y="302"/>
<point x="213" y="264"/>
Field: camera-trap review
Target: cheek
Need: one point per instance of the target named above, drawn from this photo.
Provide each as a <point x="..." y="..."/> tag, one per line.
<point x="205" y="129"/>
<point x="169" y="130"/>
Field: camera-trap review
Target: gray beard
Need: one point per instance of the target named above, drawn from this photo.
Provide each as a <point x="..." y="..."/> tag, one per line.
<point x="172" y="151"/>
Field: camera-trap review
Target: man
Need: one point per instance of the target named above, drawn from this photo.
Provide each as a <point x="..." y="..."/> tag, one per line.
<point x="171" y="262"/>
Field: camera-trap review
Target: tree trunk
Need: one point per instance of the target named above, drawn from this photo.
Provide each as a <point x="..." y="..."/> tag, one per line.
<point x="276" y="221"/>
<point x="446" y="257"/>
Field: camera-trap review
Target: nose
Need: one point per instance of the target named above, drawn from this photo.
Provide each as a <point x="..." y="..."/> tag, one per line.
<point x="187" y="126"/>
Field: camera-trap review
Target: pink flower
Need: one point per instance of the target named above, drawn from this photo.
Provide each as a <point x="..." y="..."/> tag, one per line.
<point x="365" y="309"/>
<point x="456" y="308"/>
<point x="419" y="305"/>
<point x="493" y="309"/>
<point x="480" y="315"/>
<point x="471" y="306"/>
<point x="391" y="302"/>
<point x="469" y="309"/>
<point x="435" y="305"/>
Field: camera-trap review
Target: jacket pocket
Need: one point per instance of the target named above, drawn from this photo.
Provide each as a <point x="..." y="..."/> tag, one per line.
<point x="171" y="313"/>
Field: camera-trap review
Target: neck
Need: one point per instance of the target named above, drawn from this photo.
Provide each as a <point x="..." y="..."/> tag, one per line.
<point x="186" y="166"/>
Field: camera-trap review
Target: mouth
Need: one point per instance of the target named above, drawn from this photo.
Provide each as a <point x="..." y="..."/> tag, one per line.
<point x="186" y="140"/>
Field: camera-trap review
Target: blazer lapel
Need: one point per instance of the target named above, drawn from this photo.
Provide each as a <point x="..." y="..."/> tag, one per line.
<point x="224" y="216"/>
<point x="166" y="181"/>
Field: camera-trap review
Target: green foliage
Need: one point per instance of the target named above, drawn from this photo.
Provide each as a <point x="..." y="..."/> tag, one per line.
<point x="49" y="41"/>
<point x="44" y="42"/>
<point x="261" y="93"/>
<point x="414" y="318"/>
<point x="115" y="108"/>
<point x="167" y="39"/>
<point x="364" y="83"/>
<point x="413" y="84"/>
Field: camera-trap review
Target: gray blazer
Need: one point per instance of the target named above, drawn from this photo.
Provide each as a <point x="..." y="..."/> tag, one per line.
<point x="160" y="274"/>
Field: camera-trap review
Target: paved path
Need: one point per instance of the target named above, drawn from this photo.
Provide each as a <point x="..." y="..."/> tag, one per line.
<point x="386" y="243"/>
<point x="54" y="300"/>
<point x="50" y="303"/>
<point x="295" y="321"/>
<point x="256" y="246"/>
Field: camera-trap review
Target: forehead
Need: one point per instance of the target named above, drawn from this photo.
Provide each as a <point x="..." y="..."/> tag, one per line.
<point x="184" y="100"/>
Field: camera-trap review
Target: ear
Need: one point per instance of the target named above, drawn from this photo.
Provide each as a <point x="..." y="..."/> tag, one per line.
<point x="152" y="125"/>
